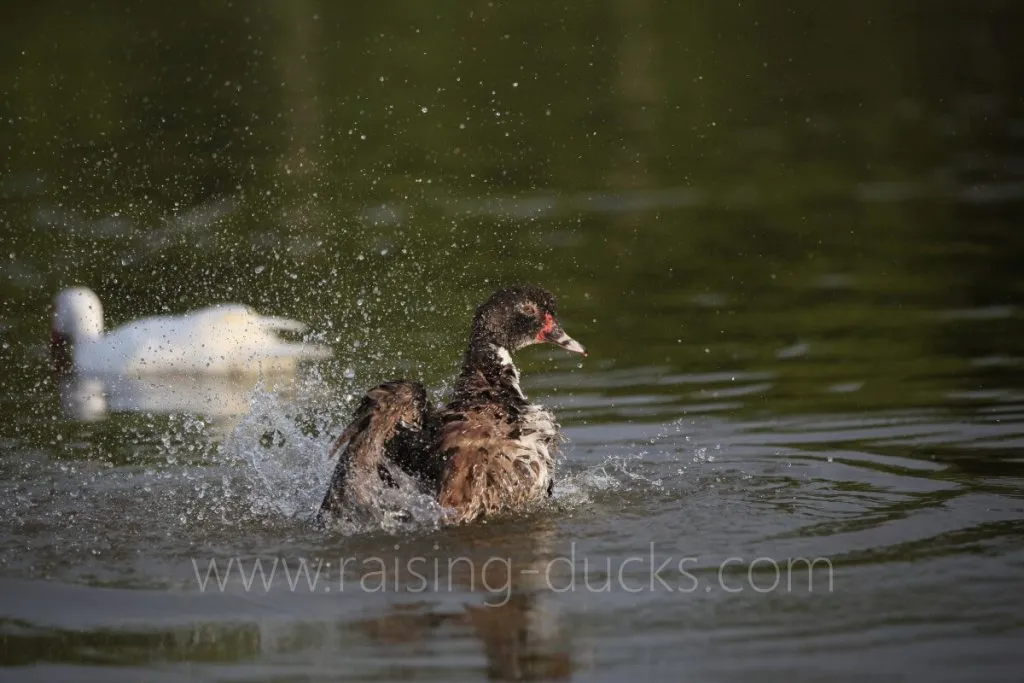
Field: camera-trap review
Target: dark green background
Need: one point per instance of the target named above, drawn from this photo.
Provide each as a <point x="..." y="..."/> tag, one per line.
<point x="703" y="184"/>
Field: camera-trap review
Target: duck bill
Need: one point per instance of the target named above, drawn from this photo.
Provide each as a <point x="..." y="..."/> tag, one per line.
<point x="556" y="335"/>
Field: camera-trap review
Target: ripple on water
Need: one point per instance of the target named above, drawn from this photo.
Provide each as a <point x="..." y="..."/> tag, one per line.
<point x="891" y="500"/>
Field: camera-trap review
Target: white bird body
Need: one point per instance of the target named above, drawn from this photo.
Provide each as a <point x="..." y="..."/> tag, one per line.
<point x="227" y="339"/>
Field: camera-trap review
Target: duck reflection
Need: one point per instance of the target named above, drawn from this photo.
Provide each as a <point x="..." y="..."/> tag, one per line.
<point x="523" y="639"/>
<point x="92" y="398"/>
<point x="517" y="621"/>
<point x="492" y="612"/>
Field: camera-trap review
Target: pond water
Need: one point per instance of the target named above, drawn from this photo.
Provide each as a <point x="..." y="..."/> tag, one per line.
<point x="789" y="237"/>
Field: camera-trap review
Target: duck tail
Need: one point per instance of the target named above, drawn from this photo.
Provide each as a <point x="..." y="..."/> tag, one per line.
<point x="313" y="351"/>
<point x="289" y="349"/>
<point x="301" y="351"/>
<point x="282" y="324"/>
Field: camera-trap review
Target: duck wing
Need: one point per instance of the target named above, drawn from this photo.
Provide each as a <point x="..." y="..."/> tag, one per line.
<point x="496" y="459"/>
<point x="393" y="429"/>
<point x="477" y="476"/>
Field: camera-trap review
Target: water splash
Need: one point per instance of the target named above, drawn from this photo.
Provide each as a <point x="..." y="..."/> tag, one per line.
<point x="396" y="510"/>
<point x="617" y="472"/>
<point x="279" y="451"/>
<point x="280" y="448"/>
<point x="649" y="465"/>
<point x="577" y="489"/>
<point x="272" y="466"/>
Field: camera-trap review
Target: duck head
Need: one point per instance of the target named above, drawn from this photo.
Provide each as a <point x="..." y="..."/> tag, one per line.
<point x="520" y="316"/>
<point x="77" y="317"/>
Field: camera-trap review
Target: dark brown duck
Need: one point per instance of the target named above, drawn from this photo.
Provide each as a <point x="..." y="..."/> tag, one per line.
<point x="488" y="451"/>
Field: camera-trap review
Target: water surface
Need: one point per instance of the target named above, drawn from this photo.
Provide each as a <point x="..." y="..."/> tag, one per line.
<point x="788" y="236"/>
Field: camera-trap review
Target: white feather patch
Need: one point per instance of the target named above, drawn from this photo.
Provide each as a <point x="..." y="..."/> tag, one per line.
<point x="505" y="358"/>
<point x="539" y="433"/>
<point x="538" y="436"/>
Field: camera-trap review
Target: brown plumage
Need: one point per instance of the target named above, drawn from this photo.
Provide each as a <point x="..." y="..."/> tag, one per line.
<point x="393" y="423"/>
<point x="488" y="451"/>
<point x="496" y="459"/>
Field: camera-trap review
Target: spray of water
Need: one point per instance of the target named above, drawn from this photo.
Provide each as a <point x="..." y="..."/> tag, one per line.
<point x="279" y="451"/>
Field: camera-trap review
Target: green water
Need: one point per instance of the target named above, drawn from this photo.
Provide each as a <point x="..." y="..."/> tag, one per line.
<point x="788" y="234"/>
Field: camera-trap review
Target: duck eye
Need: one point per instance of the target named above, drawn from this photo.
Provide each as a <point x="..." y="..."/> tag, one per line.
<point x="528" y="309"/>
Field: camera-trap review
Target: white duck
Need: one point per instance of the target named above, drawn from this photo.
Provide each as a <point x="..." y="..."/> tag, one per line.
<point x="228" y="339"/>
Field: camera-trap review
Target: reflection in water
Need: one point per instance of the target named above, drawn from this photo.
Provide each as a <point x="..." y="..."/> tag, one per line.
<point x="517" y="622"/>
<point x="513" y="648"/>
<point x="521" y="638"/>
<point x="487" y="596"/>
<point x="845" y="487"/>
<point x="91" y="398"/>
